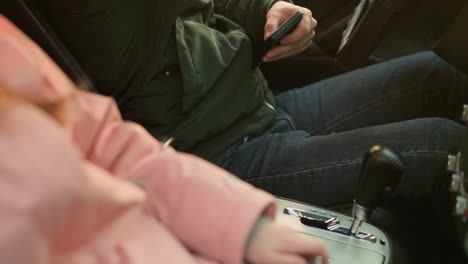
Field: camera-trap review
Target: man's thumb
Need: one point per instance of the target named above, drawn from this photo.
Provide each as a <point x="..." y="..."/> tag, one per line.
<point x="270" y="26"/>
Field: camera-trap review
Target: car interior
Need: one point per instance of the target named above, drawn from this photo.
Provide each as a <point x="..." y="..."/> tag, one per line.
<point x="351" y="34"/>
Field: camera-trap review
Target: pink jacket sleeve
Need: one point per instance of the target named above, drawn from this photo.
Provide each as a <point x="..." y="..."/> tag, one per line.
<point x="209" y="211"/>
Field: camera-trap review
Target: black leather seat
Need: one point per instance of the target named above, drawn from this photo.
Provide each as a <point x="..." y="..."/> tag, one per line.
<point x="26" y="16"/>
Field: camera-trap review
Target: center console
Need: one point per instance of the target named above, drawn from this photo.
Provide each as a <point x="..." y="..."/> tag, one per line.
<point x="370" y="246"/>
<point x="351" y="239"/>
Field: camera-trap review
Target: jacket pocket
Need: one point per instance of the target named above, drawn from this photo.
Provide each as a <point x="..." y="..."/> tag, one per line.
<point x="157" y="103"/>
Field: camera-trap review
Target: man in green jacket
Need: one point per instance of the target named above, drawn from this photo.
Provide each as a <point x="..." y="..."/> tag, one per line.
<point x="185" y="70"/>
<point x="178" y="68"/>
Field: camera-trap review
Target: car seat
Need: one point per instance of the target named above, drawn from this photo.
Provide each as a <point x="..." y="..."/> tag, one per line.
<point x="27" y="17"/>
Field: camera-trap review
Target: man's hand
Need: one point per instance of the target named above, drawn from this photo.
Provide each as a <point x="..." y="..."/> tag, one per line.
<point x="297" y="41"/>
<point x="279" y="244"/>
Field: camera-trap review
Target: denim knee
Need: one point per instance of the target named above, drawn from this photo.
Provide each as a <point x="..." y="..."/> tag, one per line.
<point x="443" y="134"/>
<point x="438" y="67"/>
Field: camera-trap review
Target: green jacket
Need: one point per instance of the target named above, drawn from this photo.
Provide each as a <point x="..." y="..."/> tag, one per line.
<point x="181" y="68"/>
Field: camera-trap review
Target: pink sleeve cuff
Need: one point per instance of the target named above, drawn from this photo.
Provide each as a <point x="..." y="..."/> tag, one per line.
<point x="252" y="205"/>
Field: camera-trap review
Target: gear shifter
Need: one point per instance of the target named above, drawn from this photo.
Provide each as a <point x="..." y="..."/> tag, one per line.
<point x="380" y="172"/>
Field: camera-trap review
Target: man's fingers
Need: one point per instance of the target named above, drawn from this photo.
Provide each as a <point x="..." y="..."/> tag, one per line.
<point x="278" y="15"/>
<point x="289" y="50"/>
<point x="305" y="28"/>
<point x="280" y="55"/>
<point x="295" y="42"/>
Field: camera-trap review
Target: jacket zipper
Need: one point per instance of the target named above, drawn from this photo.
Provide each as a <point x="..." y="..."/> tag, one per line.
<point x="270" y="106"/>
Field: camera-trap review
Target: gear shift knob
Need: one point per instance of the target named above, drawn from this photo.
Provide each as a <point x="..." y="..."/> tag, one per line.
<point x="380" y="172"/>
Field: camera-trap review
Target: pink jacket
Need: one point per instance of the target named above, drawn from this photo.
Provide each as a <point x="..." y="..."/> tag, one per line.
<point x="67" y="195"/>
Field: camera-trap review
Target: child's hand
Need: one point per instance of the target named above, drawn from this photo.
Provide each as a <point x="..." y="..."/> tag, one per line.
<point x="279" y="244"/>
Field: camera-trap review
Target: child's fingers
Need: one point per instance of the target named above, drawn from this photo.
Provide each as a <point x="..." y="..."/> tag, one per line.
<point x="310" y="248"/>
<point x="285" y="258"/>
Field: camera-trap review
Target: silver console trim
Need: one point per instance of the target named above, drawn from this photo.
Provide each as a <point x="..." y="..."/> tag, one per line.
<point x="342" y="248"/>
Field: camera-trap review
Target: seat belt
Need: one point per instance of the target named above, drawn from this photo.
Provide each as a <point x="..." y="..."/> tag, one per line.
<point x="27" y="17"/>
<point x="365" y="29"/>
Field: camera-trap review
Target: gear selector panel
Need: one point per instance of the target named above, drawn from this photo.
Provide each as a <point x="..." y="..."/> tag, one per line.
<point x="329" y="223"/>
<point x="369" y="246"/>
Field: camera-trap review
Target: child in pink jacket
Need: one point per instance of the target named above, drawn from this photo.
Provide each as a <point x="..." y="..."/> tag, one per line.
<point x="79" y="185"/>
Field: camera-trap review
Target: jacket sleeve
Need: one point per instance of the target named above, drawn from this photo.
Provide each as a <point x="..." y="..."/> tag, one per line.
<point x="250" y="14"/>
<point x="209" y="211"/>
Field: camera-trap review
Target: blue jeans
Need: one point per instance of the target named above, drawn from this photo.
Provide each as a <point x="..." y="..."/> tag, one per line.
<point x="314" y="151"/>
